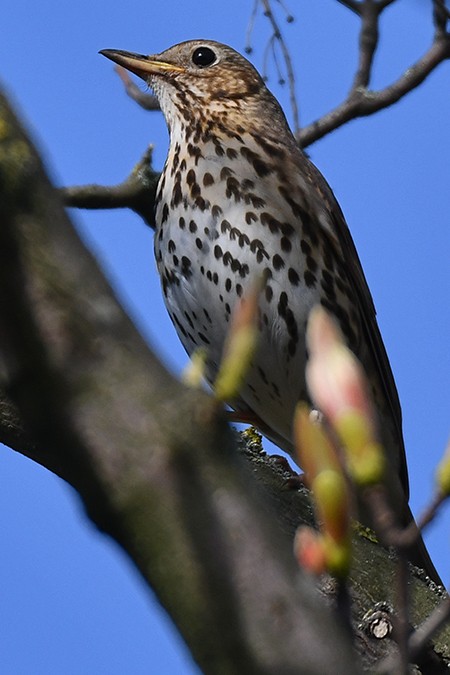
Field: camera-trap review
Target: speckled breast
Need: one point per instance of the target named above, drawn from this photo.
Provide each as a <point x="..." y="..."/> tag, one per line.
<point x="224" y="219"/>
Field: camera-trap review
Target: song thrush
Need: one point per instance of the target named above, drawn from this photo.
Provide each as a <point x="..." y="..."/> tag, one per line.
<point x="238" y="199"/>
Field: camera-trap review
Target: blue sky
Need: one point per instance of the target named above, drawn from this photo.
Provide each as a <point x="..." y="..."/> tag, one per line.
<point x="70" y="601"/>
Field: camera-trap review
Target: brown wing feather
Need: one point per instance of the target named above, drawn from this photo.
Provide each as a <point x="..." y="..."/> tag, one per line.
<point x="341" y="238"/>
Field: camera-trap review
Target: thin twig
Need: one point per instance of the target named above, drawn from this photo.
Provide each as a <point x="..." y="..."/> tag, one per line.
<point x="430" y="512"/>
<point x="368" y="42"/>
<point x="423" y="634"/>
<point x="145" y="100"/>
<point x="419" y="641"/>
<point x="288" y="61"/>
<point x="251" y="24"/>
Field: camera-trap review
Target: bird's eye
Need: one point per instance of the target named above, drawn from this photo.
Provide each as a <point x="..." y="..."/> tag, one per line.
<point x="203" y="57"/>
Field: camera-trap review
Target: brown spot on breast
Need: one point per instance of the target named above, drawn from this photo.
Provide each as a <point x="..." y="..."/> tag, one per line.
<point x="306" y="248"/>
<point x="165" y="213"/>
<point x="189" y="320"/>
<point x="194" y="151"/>
<point x="311" y="263"/>
<point x="285" y="244"/>
<point x="254" y="200"/>
<point x="218" y="147"/>
<point x="208" y="179"/>
<point x="278" y="262"/>
<point x="269" y="148"/>
<point x="293" y="276"/>
<point x="195" y="190"/>
<point x="243" y="240"/>
<point x="310" y="278"/>
<point x="203" y="338"/>
<point x="177" y="195"/>
<point x="261" y="168"/>
<point x="225" y="172"/>
<point x="200" y="203"/>
<point x="186" y="267"/>
<point x="233" y="188"/>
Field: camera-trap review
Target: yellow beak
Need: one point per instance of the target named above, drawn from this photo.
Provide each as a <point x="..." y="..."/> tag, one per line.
<point x="139" y="64"/>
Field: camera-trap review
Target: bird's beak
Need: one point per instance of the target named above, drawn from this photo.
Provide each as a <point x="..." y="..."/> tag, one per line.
<point x="139" y="64"/>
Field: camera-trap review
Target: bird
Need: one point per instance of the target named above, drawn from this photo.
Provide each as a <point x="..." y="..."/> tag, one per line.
<point x="237" y="200"/>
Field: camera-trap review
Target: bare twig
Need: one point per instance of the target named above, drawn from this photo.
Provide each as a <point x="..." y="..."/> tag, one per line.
<point x="137" y="192"/>
<point x="418" y="647"/>
<point x="287" y="60"/>
<point x="368" y="42"/>
<point x="441" y="16"/>
<point x="404" y="539"/>
<point x="423" y="634"/>
<point x="142" y="98"/>
<point x="362" y="102"/>
<point x="430" y="512"/>
<point x="250" y="26"/>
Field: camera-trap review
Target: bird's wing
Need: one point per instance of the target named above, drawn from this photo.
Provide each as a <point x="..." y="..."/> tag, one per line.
<point x="341" y="240"/>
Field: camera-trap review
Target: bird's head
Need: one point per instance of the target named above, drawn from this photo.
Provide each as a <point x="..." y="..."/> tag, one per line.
<point x="202" y="78"/>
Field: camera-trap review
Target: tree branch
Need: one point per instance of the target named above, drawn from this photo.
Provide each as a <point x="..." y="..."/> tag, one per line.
<point x="362" y="102"/>
<point x="143" y="99"/>
<point x="369" y="13"/>
<point x="137" y="192"/>
<point x="277" y="35"/>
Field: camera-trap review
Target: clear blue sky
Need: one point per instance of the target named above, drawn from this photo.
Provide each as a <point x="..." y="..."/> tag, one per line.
<point x="70" y="601"/>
